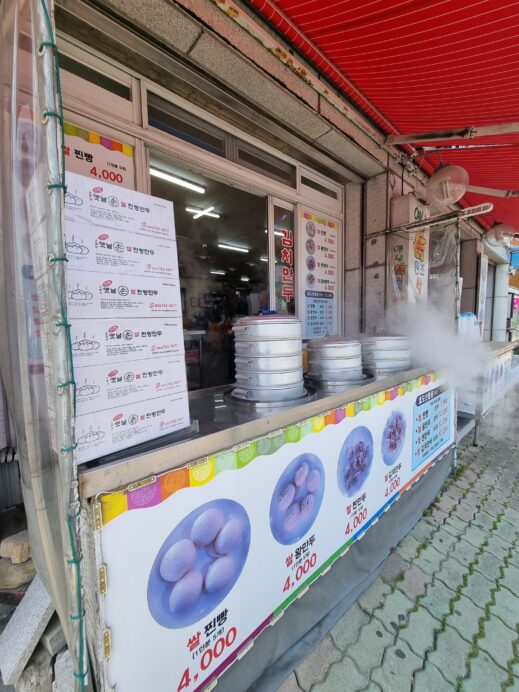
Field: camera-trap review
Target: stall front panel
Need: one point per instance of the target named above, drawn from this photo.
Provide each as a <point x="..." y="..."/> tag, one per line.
<point x="199" y="560"/>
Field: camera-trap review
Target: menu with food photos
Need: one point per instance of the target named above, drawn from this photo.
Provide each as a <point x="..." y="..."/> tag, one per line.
<point x="124" y="307"/>
<point x="318" y="272"/>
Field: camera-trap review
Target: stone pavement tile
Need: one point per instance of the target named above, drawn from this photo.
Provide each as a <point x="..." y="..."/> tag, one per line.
<point x="489" y="566"/>
<point x="394" y="611"/>
<point x="408" y="548"/>
<point x="484" y="521"/>
<point x="414" y="583"/>
<point x="511" y="579"/>
<point x="429" y="680"/>
<point x="421" y="531"/>
<point x="506" y="607"/>
<point x="347" y="629"/>
<point x="429" y="560"/>
<point x="290" y="684"/>
<point x="465" y="552"/>
<point x="498" y="547"/>
<point x="374" y="596"/>
<point x="443" y="541"/>
<point x="393" y="568"/>
<point x="343" y="676"/>
<point x="462" y="483"/>
<point x="437" y="517"/>
<point x="436" y="599"/>
<point x="450" y="655"/>
<point x="507" y="532"/>
<point x="419" y="633"/>
<point x="464" y="512"/>
<point x="475" y="536"/>
<point x="458" y="525"/>
<point x="497" y="641"/>
<point x="316" y="664"/>
<point x="397" y="669"/>
<point x="465" y="618"/>
<point x="473" y="499"/>
<point x="451" y="573"/>
<point x="446" y="503"/>
<point x="478" y="588"/>
<point x="512" y="516"/>
<point x="484" y="675"/>
<point x="493" y="507"/>
<point x="369" y="649"/>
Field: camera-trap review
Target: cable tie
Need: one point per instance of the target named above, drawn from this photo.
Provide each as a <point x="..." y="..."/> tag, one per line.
<point x="51" y="114"/>
<point x="58" y="259"/>
<point x="81" y="676"/>
<point x="66" y="450"/>
<point x="52" y="186"/>
<point x="65" y="324"/>
<point x="47" y="44"/>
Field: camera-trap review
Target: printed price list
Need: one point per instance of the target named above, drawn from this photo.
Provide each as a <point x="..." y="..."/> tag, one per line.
<point x="431" y="424"/>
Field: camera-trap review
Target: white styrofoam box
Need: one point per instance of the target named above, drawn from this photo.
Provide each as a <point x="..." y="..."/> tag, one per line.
<point x="101" y="387"/>
<point x="93" y="248"/>
<point x="124" y="426"/>
<point x="111" y="206"/>
<point x="99" y="295"/>
<point x="95" y="342"/>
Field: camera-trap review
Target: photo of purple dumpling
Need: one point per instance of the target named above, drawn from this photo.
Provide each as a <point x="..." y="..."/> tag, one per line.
<point x="199" y="563"/>
<point x="310" y="263"/>
<point x="207" y="526"/>
<point x="297" y="498"/>
<point x="178" y="560"/>
<point x="310" y="246"/>
<point x="219" y="574"/>
<point x="355" y="459"/>
<point x="286" y="496"/>
<point x="301" y="475"/>
<point x="230" y="536"/>
<point x="292" y="517"/>
<point x="311" y="230"/>
<point x="393" y="438"/>
<point x="313" y="481"/>
<point x="186" y="592"/>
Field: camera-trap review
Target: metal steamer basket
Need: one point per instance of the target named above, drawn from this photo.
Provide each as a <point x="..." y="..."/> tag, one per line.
<point x="385" y="355"/>
<point x="335" y="360"/>
<point x="268" y="359"/>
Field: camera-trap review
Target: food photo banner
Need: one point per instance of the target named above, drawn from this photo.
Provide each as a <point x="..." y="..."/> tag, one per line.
<point x="196" y="540"/>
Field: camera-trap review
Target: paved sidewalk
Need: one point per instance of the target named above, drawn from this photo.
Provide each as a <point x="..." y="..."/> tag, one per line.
<point x="444" y="612"/>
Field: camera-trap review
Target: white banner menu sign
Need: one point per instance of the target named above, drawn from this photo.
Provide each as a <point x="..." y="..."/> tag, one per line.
<point x="124" y="307"/>
<point x="318" y="274"/>
<point x="219" y="549"/>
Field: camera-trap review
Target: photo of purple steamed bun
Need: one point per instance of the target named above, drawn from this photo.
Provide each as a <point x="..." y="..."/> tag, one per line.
<point x="207" y="526"/>
<point x="393" y="438"/>
<point x="355" y="460"/>
<point x="230" y="536"/>
<point x="219" y="574"/>
<point x="301" y="474"/>
<point x="186" y="592"/>
<point x="313" y="481"/>
<point x="286" y="496"/>
<point x="292" y="517"/>
<point x="178" y="560"/>
<point x="307" y="505"/>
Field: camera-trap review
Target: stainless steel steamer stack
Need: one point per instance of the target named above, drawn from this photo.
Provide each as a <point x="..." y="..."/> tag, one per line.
<point x="385" y="355"/>
<point x="268" y="358"/>
<point x="335" y="360"/>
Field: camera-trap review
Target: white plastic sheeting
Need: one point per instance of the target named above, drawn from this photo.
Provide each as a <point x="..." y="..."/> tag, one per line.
<point x="34" y="341"/>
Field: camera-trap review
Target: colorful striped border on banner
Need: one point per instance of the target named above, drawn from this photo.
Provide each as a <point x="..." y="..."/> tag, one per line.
<point x="94" y="138"/>
<point x="156" y="489"/>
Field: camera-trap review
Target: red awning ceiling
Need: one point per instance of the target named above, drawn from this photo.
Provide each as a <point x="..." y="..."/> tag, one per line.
<point x="414" y="65"/>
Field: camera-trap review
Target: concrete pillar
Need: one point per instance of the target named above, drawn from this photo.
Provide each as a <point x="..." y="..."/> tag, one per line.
<point x="375" y="212"/>
<point x="352" y="307"/>
<point x="500" y="303"/>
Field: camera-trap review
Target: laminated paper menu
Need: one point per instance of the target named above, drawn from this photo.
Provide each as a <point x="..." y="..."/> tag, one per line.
<point x="124" y="306"/>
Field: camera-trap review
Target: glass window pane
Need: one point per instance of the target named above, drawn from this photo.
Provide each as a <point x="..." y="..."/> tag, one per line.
<point x="285" y="252"/>
<point x="70" y="65"/>
<point x="223" y="272"/>
<point x="266" y="164"/>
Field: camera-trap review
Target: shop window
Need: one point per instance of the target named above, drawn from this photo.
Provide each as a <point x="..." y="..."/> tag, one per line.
<point x="285" y="254"/>
<point x="319" y="187"/>
<point x="175" y="121"/>
<point x="266" y="164"/>
<point x="94" y="77"/>
<point x="222" y="253"/>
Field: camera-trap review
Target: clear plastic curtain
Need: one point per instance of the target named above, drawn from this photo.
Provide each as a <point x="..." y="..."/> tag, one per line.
<point x="34" y="355"/>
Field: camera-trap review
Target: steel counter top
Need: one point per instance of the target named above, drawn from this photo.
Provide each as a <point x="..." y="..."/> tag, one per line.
<point x="223" y="423"/>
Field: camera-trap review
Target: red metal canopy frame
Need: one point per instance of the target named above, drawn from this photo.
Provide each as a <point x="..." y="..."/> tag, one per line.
<point x="421" y="65"/>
